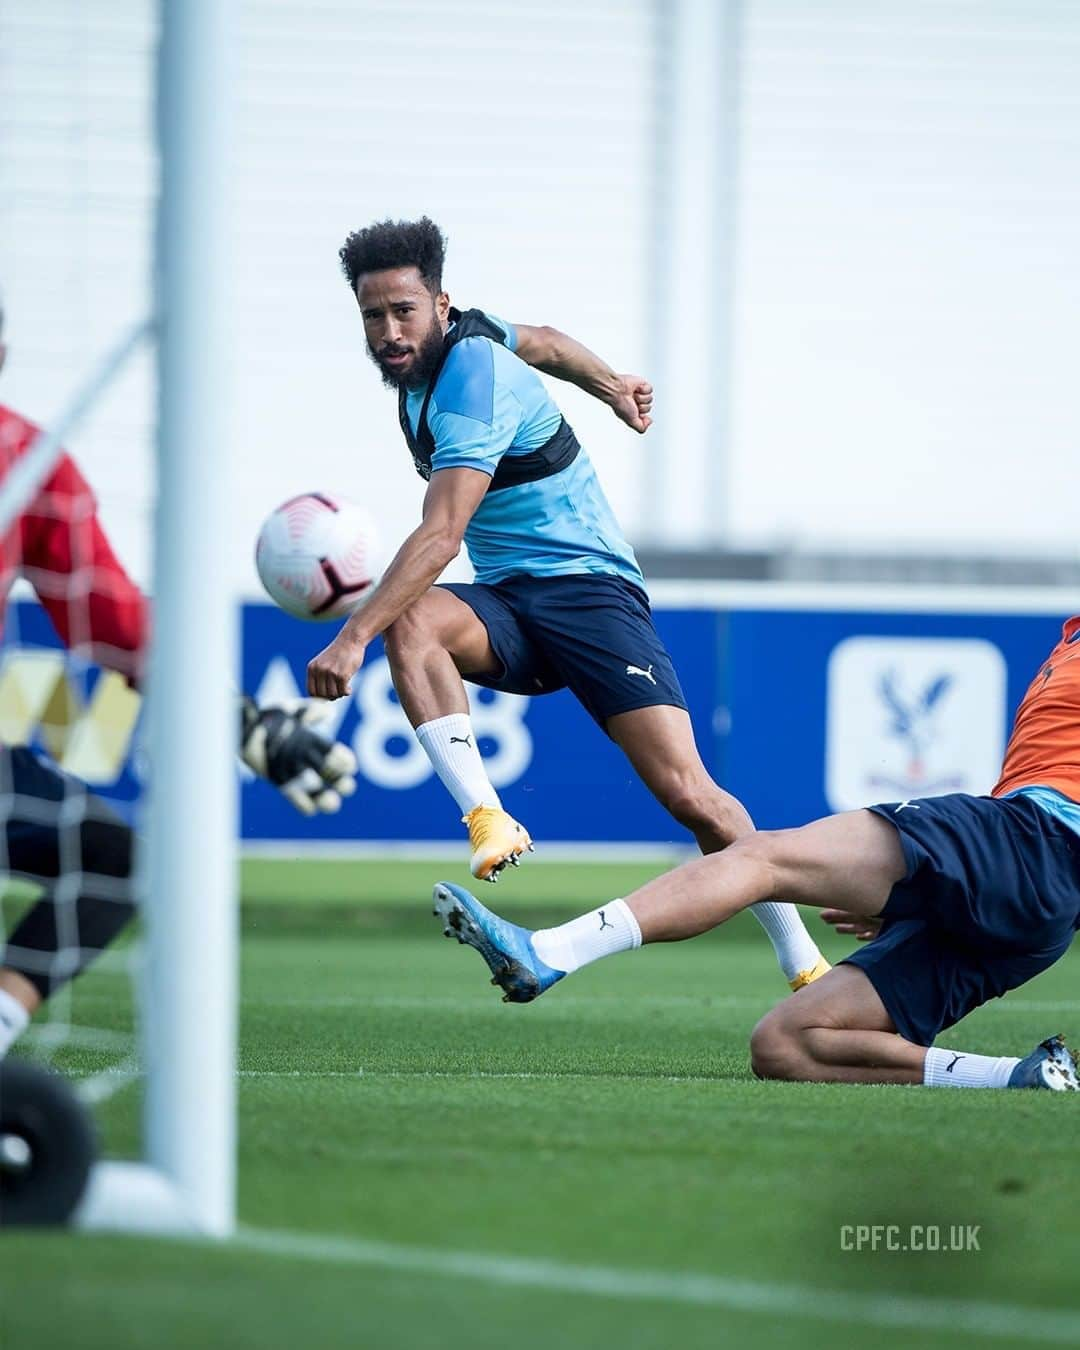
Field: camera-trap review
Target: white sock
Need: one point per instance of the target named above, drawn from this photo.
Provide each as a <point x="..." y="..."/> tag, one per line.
<point x="794" y="947"/>
<point x="450" y="743"/>
<point x="946" y="1068"/>
<point x="13" y="1021"/>
<point x="601" y="932"/>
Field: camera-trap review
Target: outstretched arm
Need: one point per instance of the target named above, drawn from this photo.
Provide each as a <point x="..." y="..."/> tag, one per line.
<point x="452" y="497"/>
<point x="628" y="396"/>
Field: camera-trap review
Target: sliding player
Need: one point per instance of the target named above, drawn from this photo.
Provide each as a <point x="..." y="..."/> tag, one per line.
<point x="963" y="897"/>
<point x="53" y="830"/>
<point x="558" y="601"/>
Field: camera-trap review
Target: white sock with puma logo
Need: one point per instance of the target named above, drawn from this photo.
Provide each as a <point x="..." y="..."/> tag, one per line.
<point x="948" y="1068"/>
<point x="450" y="744"/>
<point x="601" y="932"/>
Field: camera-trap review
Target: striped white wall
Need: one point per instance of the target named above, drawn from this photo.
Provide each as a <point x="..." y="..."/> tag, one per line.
<point x="525" y="129"/>
<point x="77" y="180"/>
<point x="908" y="275"/>
<point x="907" y="283"/>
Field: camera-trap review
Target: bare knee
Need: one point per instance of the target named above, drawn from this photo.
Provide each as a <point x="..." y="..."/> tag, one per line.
<point x="707" y="811"/>
<point x="776" y="1047"/>
<point x="415" y="628"/>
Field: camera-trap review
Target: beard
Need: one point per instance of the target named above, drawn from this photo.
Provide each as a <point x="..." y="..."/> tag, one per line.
<point x="425" y="361"/>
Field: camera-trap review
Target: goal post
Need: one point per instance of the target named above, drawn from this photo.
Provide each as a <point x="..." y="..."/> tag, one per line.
<point x="187" y="881"/>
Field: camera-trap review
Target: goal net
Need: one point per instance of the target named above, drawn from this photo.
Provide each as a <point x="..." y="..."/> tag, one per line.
<point x="72" y="643"/>
<point x="117" y="764"/>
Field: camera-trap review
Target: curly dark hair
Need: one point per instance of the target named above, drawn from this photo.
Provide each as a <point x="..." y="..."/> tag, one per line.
<point x="395" y="243"/>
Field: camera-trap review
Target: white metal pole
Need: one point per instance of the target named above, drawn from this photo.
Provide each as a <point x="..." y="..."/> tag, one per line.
<point x="687" y="470"/>
<point x="190" y="879"/>
<point x="726" y="183"/>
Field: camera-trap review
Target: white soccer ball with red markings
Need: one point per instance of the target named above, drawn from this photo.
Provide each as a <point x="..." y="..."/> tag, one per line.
<point x="316" y="556"/>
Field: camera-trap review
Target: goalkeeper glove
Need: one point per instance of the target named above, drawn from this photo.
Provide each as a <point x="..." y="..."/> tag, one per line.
<point x="281" y="744"/>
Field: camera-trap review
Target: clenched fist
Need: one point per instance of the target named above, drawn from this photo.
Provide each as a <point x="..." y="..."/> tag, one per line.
<point x="329" y="675"/>
<point x="633" y="403"/>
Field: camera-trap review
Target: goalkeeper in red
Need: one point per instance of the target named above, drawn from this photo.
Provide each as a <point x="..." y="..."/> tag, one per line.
<point x="53" y="830"/>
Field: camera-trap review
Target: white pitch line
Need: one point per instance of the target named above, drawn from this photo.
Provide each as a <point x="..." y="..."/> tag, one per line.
<point x="960" y="1317"/>
<point x="99" y="1087"/>
<point x="300" y="1073"/>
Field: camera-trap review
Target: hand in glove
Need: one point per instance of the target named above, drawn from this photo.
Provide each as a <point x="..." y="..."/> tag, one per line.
<point x="281" y="743"/>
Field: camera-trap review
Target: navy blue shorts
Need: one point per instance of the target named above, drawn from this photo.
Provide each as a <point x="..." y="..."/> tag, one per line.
<point x="991" y="899"/>
<point x="590" y="634"/>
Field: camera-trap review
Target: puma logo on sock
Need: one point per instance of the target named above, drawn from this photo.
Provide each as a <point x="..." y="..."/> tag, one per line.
<point x="956" y="1059"/>
<point x="461" y="740"/>
<point x="604" y="923"/>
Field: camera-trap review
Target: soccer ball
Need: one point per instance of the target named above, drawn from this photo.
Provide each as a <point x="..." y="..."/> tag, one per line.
<point x="316" y="556"/>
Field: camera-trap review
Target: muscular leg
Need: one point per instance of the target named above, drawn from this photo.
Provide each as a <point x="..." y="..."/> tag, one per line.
<point x="659" y="742"/>
<point x="836" y="1030"/>
<point x="429" y="647"/>
<point x="850" y="861"/>
<point x="833" y="1030"/>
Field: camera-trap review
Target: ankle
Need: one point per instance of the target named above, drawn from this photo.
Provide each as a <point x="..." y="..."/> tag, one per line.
<point x="20" y="989"/>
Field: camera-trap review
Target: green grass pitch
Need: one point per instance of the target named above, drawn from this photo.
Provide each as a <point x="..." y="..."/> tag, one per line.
<point x="388" y="1097"/>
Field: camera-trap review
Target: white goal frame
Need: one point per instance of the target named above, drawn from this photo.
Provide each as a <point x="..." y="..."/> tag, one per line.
<point x="187" y="875"/>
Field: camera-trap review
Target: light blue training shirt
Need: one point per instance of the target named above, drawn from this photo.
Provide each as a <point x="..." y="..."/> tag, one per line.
<point x="488" y="403"/>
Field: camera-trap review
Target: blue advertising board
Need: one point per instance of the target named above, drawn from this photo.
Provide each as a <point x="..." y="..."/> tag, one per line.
<point x="799" y="710"/>
<point x="550" y="763"/>
<point x="827" y="710"/>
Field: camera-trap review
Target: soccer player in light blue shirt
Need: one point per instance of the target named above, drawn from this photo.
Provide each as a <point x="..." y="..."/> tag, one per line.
<point x="487" y="404"/>
<point x="558" y="600"/>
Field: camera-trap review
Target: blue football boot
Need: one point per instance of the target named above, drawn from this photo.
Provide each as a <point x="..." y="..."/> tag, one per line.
<point x="506" y="948"/>
<point x="1050" y="1065"/>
